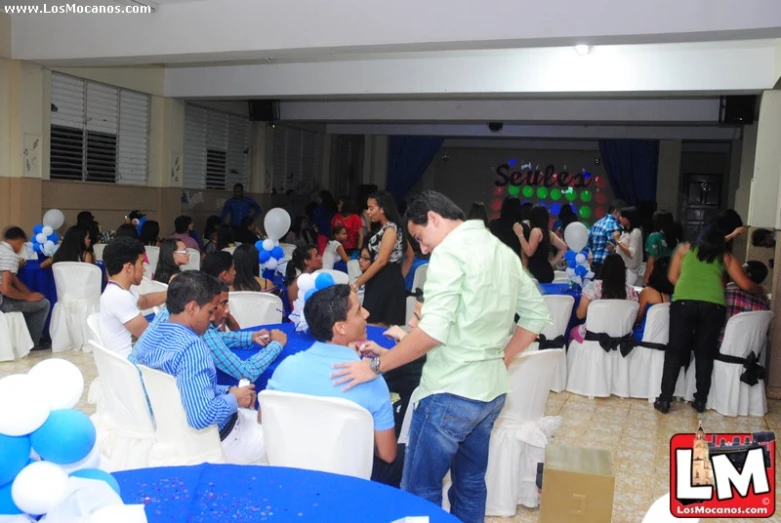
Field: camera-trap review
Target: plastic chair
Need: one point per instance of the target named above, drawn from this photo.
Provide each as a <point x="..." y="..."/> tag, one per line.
<point x="252" y="309"/>
<point x="229" y="249"/>
<point x="98" y="250"/>
<point x="660" y="512"/>
<point x="646" y="365"/>
<point x="407" y="421"/>
<point x="195" y="261"/>
<point x="288" y="249"/>
<point x="420" y="277"/>
<point x="560" y="309"/>
<point x="148" y="286"/>
<point x="589" y="367"/>
<point x="338" y="276"/>
<point x="176" y="442"/>
<point x="93" y="329"/>
<point x="78" y="296"/>
<point x="153" y="255"/>
<point x="15" y="340"/>
<point x="316" y="433"/>
<point x="745" y="334"/>
<point x="560" y="277"/>
<point x="126" y="433"/>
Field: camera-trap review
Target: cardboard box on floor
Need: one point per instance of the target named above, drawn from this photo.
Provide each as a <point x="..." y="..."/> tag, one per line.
<point x="577" y="485"/>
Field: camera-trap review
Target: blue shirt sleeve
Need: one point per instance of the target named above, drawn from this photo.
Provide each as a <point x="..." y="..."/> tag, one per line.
<point x="202" y="401"/>
<point x="254" y="206"/>
<point x="382" y="410"/>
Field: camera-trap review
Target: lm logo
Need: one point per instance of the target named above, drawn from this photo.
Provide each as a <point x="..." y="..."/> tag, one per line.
<point x="722" y="475"/>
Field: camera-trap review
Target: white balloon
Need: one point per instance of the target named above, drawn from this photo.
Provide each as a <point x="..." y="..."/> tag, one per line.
<point x="24" y="405"/>
<point x="268" y="244"/>
<point x="576" y="236"/>
<point x="580" y="259"/>
<point x="61" y="380"/>
<point x="54" y="218"/>
<point x="276" y="223"/>
<point x="90" y="461"/>
<point x="271" y="264"/>
<point x="47" y="231"/>
<point x="305" y="282"/>
<point x="570" y="272"/>
<point x="39" y="487"/>
<point x="41" y="237"/>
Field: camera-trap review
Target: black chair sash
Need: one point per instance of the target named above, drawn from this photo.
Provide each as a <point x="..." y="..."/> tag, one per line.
<point x="555" y="343"/>
<point x="625" y="344"/>
<point x="753" y="370"/>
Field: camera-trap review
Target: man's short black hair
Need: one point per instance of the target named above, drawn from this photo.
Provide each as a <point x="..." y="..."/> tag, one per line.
<point x="15" y="233"/>
<point x="216" y="263"/>
<point x="421" y="204"/>
<point x="121" y="250"/>
<point x="762" y="238"/>
<point x="191" y="286"/>
<point x="238" y="186"/>
<point x="757" y="271"/>
<point x="616" y="205"/>
<point x="324" y="308"/>
<point x="182" y="223"/>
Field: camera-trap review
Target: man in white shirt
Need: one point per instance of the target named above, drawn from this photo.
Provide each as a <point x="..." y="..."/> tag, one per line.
<point x="120" y="304"/>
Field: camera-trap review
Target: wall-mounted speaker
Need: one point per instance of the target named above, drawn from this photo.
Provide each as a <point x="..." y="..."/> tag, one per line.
<point x="264" y="110"/>
<point x="738" y="110"/>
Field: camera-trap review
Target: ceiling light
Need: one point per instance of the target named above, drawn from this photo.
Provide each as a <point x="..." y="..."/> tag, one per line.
<point x="582" y="49"/>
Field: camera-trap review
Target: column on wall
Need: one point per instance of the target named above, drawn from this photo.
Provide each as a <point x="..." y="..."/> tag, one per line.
<point x="166" y="157"/>
<point x="669" y="175"/>
<point x="375" y="160"/>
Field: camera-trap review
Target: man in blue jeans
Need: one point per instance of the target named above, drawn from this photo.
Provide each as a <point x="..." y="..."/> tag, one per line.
<point x="475" y="286"/>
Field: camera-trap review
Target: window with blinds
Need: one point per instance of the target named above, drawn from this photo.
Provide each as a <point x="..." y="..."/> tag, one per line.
<point x="298" y="156"/>
<point x="99" y="133"/>
<point x="216" y="146"/>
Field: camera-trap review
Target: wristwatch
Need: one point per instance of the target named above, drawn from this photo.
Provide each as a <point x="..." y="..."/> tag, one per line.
<point x="375" y="365"/>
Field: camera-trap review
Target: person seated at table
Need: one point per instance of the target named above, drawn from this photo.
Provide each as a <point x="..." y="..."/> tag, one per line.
<point x="176" y="347"/>
<point x="247" y="232"/>
<point x="739" y="300"/>
<point x="150" y="234"/>
<point x="219" y="264"/>
<point x="305" y="259"/>
<point x="612" y="286"/>
<point x="247" y="278"/>
<point x="210" y="233"/>
<point x="120" y="304"/>
<point x="127" y="230"/>
<point x="337" y="322"/>
<point x="334" y="250"/>
<point x="224" y="237"/>
<point x="364" y="262"/>
<point x="14" y="295"/>
<point x="183" y="226"/>
<point x="658" y="290"/>
<point x="74" y="248"/>
<point x="538" y="247"/>
<point x="347" y="215"/>
<point x="173" y="254"/>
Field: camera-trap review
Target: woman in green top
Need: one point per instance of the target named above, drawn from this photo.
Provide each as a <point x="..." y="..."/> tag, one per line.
<point x="698" y="312"/>
<point x="661" y="243"/>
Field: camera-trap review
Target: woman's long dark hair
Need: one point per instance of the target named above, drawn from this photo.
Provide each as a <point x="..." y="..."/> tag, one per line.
<point x="72" y="248"/>
<point x="247" y="265"/>
<point x="298" y="261"/>
<point x="613" y="278"/>
<point x="224" y="237"/>
<point x="213" y="222"/>
<point x="328" y="202"/>
<point x="387" y="203"/>
<point x="658" y="278"/>
<point x="665" y="223"/>
<point x="166" y="266"/>
<point x="511" y="211"/>
<point x="540" y="219"/>
<point x="711" y="245"/>
<point x="567" y="216"/>
<point x="630" y="213"/>
<point x="127" y="229"/>
<point x="149" y="233"/>
<point x="478" y="212"/>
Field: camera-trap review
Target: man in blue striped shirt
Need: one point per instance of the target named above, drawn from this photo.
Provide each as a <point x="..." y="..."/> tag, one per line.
<point x="175" y="347"/>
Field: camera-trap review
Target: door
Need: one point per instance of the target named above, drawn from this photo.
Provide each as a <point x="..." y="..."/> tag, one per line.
<point x="701" y="203"/>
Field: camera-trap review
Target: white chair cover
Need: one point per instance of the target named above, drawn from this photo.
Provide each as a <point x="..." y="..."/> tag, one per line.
<point x="95" y="394"/>
<point x="195" y="260"/>
<point x="252" y="309"/>
<point x="406" y="422"/>
<point x="176" y="443"/>
<point x="78" y="296"/>
<point x="288" y="249"/>
<point x="646" y="365"/>
<point x="148" y="286"/>
<point x="660" y="512"/>
<point x="98" y="250"/>
<point x="521" y="434"/>
<point x="353" y="270"/>
<point x="153" y="255"/>
<point x="560" y="277"/>
<point x="126" y="433"/>
<point x="746" y="333"/>
<point x="316" y="433"/>
<point x="229" y="249"/>
<point x="420" y="277"/>
<point x="560" y="308"/>
<point x="15" y="340"/>
<point x="338" y="276"/>
<point x="589" y="367"/>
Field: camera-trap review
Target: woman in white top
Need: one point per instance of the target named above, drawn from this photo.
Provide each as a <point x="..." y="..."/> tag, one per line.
<point x="334" y="251"/>
<point x="629" y="243"/>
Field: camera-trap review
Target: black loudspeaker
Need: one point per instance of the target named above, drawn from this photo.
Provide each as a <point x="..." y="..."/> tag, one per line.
<point x="264" y="110"/>
<point x="738" y="110"/>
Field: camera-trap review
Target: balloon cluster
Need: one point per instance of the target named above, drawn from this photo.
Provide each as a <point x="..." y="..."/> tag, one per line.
<point x="43" y="440"/>
<point x="44" y="239"/>
<point x="576" y="238"/>
<point x="139" y="224"/>
<point x="307" y="286"/>
<point x="270" y="254"/>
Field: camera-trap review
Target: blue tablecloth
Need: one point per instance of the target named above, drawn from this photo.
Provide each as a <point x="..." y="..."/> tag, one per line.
<point x="235" y="494"/>
<point x="296" y="342"/>
<point x="410" y="279"/>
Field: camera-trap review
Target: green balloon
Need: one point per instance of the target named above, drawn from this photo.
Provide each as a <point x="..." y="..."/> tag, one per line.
<point x="513" y="190"/>
<point x="571" y="194"/>
<point x="585" y="195"/>
<point x="542" y="193"/>
<point x="555" y="194"/>
<point x="528" y="191"/>
<point x="585" y="212"/>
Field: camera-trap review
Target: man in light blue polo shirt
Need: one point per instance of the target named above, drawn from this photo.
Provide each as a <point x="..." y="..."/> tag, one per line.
<point x="336" y="319"/>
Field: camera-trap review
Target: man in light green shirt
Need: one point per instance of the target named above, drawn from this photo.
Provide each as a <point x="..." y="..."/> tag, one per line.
<point x="474" y="287"/>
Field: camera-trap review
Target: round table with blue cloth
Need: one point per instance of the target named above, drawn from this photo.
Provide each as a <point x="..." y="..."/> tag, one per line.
<point x="246" y="493"/>
<point x="296" y="342"/>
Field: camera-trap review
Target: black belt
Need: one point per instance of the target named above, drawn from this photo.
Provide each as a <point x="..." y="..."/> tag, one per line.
<point x="623" y="343"/>
<point x="753" y="370"/>
<point x="555" y="343"/>
<point x="228" y="426"/>
<point x="651" y="345"/>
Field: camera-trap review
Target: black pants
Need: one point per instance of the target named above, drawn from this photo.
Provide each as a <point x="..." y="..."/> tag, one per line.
<point x="694" y="325"/>
<point x="389" y="473"/>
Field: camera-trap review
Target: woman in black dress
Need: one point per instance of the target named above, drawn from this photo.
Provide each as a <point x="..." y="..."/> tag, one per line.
<point x="540" y="244"/>
<point x="386" y="294"/>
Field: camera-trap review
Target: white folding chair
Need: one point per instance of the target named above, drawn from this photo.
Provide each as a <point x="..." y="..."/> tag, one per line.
<point x="15" y="340"/>
<point x="126" y="432"/>
<point x="251" y="309"/>
<point x="560" y="309"/>
<point x="78" y="296"/>
<point x="93" y="329"/>
<point x="521" y="433"/>
<point x="646" y="364"/>
<point x="195" y="260"/>
<point x="288" y="249"/>
<point x="316" y="433"/>
<point x="420" y="277"/>
<point x="660" y="512"/>
<point x="153" y="255"/>
<point x="338" y="276"/>
<point x="229" y="249"/>
<point x="589" y="367"/>
<point x="98" y="250"/>
<point x="176" y="443"/>
<point x="148" y="286"/>
<point x="560" y="277"/>
<point x="745" y="334"/>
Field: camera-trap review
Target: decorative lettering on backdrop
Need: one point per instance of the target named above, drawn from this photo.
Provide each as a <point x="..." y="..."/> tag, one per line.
<point x="547" y="178"/>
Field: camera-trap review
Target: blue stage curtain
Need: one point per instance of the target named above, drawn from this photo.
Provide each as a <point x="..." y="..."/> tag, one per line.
<point x="631" y="167"/>
<point x="408" y="159"/>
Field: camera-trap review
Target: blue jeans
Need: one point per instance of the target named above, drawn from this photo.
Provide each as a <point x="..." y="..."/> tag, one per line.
<point x="449" y="432"/>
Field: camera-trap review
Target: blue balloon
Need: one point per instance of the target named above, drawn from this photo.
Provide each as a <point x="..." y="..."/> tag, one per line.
<point x="38" y="229"/>
<point x="581" y="271"/>
<point x="98" y="474"/>
<point x="309" y="293"/>
<point x="66" y="437"/>
<point x="572" y="264"/>
<point x="54" y="237"/>
<point x="14" y="455"/>
<point x="277" y="253"/>
<point x="7" y="505"/>
<point x="555" y="208"/>
<point x="324" y="280"/>
<point x="264" y="256"/>
<point x="259" y="245"/>
<point x="141" y="222"/>
<point x="570" y="255"/>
